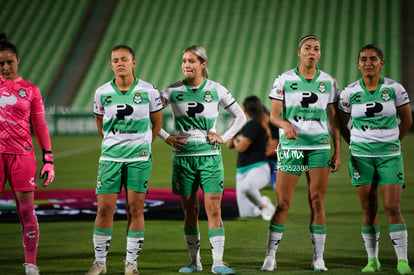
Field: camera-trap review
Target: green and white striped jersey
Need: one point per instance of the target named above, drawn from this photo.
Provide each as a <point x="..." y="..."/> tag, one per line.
<point x="127" y="125"/>
<point x="195" y="113"/>
<point x="374" y="131"/>
<point x="305" y="107"/>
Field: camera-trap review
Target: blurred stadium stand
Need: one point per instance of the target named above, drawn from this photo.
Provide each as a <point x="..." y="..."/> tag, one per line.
<point x="64" y="45"/>
<point x="44" y="32"/>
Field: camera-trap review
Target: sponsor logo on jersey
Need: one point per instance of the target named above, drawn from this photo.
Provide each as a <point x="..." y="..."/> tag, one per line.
<point x="99" y="184"/>
<point x="137" y="98"/>
<point x="279" y="92"/>
<point x="356" y="174"/>
<point x="32" y="181"/>
<point x="356" y="98"/>
<point x="107" y="100"/>
<point x="385" y="95"/>
<point x="143" y="154"/>
<point x="366" y="127"/>
<point x="308" y="98"/>
<point x="300" y="118"/>
<point x="322" y="87"/>
<point x="7" y="98"/>
<point x="123" y="132"/>
<point x="208" y="97"/>
<point x="22" y="93"/>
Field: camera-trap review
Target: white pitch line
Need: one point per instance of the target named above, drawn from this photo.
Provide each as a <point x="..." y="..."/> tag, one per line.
<point x="74" y="152"/>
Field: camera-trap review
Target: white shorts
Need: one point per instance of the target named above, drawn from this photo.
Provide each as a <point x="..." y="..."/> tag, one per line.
<point x="248" y="186"/>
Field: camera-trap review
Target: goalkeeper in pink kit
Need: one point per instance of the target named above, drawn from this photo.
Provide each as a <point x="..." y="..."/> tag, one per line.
<point x="20" y="102"/>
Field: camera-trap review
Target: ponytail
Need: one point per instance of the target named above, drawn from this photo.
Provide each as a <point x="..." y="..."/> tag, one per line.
<point x="254" y="109"/>
<point x="6" y="45"/>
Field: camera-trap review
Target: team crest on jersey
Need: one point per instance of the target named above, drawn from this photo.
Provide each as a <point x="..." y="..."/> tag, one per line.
<point x="385" y="95"/>
<point x="322" y="87"/>
<point x="22" y="93"/>
<point x="208" y="97"/>
<point x="356" y="174"/>
<point x="137" y="98"/>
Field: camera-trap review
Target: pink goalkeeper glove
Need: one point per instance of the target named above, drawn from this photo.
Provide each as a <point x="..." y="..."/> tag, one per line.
<point x="48" y="170"/>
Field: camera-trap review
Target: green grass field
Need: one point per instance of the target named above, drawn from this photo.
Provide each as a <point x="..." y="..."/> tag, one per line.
<point x="66" y="247"/>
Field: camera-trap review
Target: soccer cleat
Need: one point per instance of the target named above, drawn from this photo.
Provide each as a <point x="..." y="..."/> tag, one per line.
<point x="191" y="269"/>
<point x="319" y="265"/>
<point x="403" y="267"/>
<point x="268" y="209"/>
<point x="131" y="268"/>
<point x="97" y="268"/>
<point x="31" y="269"/>
<point x="269" y="264"/>
<point x="222" y="269"/>
<point x="372" y="266"/>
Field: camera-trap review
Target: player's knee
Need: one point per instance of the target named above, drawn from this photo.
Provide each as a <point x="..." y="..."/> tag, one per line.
<point x="392" y="210"/>
<point x="105" y="211"/>
<point x="317" y="205"/>
<point x="283" y="204"/>
<point x="135" y="210"/>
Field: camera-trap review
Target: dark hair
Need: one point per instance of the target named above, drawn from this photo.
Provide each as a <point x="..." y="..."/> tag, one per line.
<point x="254" y="108"/>
<point x="118" y="47"/>
<point x="372" y="47"/>
<point x="307" y="37"/>
<point x="6" y="45"/>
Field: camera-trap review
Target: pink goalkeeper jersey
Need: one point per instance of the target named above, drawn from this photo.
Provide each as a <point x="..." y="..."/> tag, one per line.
<point x="19" y="100"/>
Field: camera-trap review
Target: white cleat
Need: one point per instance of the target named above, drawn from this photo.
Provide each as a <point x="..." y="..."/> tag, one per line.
<point x="319" y="265"/>
<point x="97" y="269"/>
<point x="269" y="264"/>
<point x="31" y="269"/>
<point x="131" y="268"/>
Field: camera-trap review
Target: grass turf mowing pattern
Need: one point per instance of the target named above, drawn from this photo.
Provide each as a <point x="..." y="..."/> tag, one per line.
<point x="66" y="247"/>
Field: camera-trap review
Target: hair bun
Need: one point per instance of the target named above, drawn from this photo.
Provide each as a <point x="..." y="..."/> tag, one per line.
<point x="3" y="38"/>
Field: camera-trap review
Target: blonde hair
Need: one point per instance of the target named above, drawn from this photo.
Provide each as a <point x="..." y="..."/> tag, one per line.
<point x="201" y="54"/>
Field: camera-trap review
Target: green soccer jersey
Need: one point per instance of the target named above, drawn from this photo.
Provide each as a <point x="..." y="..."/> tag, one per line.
<point x="305" y="107"/>
<point x="374" y="131"/>
<point x="195" y="113"/>
<point x="127" y="125"/>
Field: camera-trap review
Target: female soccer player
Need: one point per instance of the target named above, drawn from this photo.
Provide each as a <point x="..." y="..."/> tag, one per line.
<point x="197" y="158"/>
<point x="253" y="171"/>
<point x="301" y="99"/>
<point x="20" y="103"/>
<point x="375" y="104"/>
<point x="128" y="117"/>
